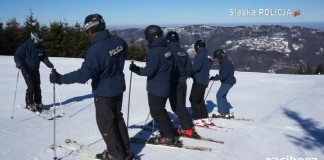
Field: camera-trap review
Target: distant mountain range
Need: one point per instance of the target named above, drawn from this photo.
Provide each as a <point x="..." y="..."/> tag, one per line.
<point x="262" y="48"/>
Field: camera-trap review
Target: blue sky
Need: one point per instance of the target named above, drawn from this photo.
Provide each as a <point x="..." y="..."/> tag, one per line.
<point x="162" y="12"/>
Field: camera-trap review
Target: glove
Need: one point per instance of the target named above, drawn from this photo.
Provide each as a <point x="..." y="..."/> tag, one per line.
<point x="55" y="77"/>
<point x="50" y="65"/>
<point x="134" y="68"/>
<point x="214" y="78"/>
<point x="18" y="65"/>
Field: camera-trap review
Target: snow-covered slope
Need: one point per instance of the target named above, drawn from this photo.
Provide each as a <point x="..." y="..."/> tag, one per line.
<point x="287" y="112"/>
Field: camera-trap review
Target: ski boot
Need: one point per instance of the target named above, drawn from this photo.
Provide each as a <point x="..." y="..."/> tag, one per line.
<point x="104" y="155"/>
<point x="31" y="107"/>
<point x="39" y="107"/>
<point x="207" y="122"/>
<point x="187" y="133"/>
<point x="198" y="123"/>
<point x="163" y="140"/>
<point x="130" y="156"/>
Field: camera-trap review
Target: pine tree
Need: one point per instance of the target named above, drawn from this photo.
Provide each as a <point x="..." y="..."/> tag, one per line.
<point x="54" y="40"/>
<point x="13" y="37"/>
<point x="2" y="36"/>
<point x="136" y="53"/>
<point x="309" y="70"/>
<point x="319" y="69"/>
<point x="1" y="25"/>
<point x="300" y="70"/>
<point x="31" y="24"/>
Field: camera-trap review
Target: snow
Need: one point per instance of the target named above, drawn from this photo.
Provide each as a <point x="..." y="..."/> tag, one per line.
<point x="263" y="43"/>
<point x="287" y="112"/>
<point x="297" y="46"/>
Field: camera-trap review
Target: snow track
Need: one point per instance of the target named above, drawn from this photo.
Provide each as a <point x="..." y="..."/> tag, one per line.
<point x="287" y="112"/>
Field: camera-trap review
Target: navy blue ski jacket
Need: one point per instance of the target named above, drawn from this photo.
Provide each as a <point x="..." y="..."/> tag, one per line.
<point x="158" y="68"/>
<point x="30" y="55"/>
<point x="201" y="67"/>
<point x="182" y="64"/>
<point x="104" y="64"/>
<point x="226" y="71"/>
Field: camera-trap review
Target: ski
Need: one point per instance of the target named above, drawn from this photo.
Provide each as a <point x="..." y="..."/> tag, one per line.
<point x="204" y="138"/>
<point x="75" y="144"/>
<point x="82" y="148"/>
<point x="211" y="127"/>
<point x="236" y="119"/>
<point x="47" y="114"/>
<point x="67" y="151"/>
<point x="52" y="118"/>
<point x="231" y="117"/>
<point x="216" y="128"/>
<point x="179" y="144"/>
<point x="198" y="137"/>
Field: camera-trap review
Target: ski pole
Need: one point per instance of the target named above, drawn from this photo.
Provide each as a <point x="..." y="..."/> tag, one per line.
<point x="54" y="119"/>
<point x="153" y="128"/>
<point x="146" y="120"/>
<point x="130" y="87"/>
<point x="13" y="107"/>
<point x="58" y="97"/>
<point x="209" y="90"/>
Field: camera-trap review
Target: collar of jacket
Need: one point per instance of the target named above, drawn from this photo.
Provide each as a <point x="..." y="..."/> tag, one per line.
<point x="224" y="59"/>
<point x="202" y="50"/>
<point x="160" y="41"/>
<point x="31" y="43"/>
<point x="101" y="36"/>
<point x="174" y="44"/>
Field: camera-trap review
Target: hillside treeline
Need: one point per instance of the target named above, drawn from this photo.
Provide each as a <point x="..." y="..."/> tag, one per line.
<point x="64" y="40"/>
<point x="60" y="38"/>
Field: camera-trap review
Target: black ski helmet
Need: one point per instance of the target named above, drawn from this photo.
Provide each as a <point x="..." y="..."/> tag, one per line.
<point x="219" y="54"/>
<point x="94" y="23"/>
<point x="172" y="36"/>
<point x="199" y="44"/>
<point x="151" y="32"/>
<point x="36" y="35"/>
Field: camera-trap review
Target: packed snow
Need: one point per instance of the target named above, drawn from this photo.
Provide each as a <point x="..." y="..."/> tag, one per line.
<point x="287" y="111"/>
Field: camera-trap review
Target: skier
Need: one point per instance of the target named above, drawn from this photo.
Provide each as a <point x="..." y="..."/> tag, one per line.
<point x="27" y="58"/>
<point x="158" y="71"/>
<point x="226" y="76"/>
<point x="104" y="64"/>
<point x="182" y="68"/>
<point x="201" y="66"/>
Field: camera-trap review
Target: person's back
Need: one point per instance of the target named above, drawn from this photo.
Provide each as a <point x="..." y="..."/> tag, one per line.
<point x="158" y="71"/>
<point x="201" y="67"/>
<point x="226" y="76"/>
<point x="104" y="64"/>
<point x="31" y="55"/>
<point x="182" y="62"/>
<point x="27" y="58"/>
<point x="158" y="68"/>
<point x="226" y="71"/>
<point x="182" y="68"/>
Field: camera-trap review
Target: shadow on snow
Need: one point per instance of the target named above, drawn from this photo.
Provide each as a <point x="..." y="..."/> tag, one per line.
<point x="73" y="99"/>
<point x="210" y="105"/>
<point x="314" y="134"/>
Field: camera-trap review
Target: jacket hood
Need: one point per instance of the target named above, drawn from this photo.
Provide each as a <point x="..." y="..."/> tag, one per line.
<point x="160" y="41"/>
<point x="101" y="36"/>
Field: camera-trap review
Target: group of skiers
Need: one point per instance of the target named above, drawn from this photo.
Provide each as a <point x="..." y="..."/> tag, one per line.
<point x="167" y="69"/>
